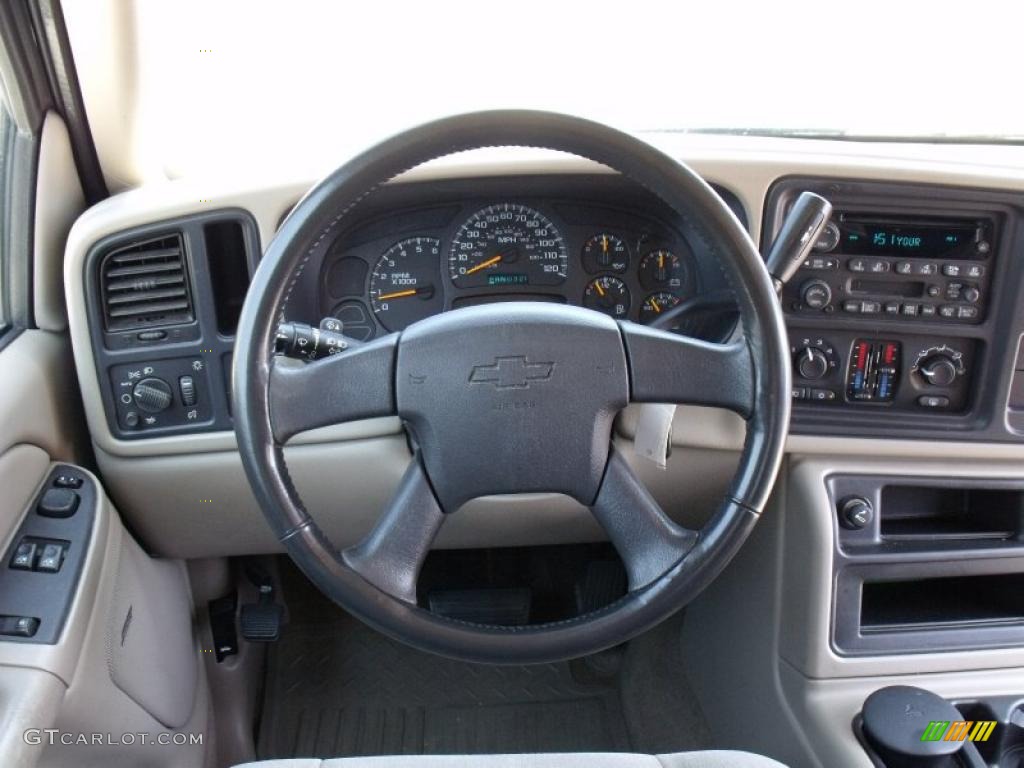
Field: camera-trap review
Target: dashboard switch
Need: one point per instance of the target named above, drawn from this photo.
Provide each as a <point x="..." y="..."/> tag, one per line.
<point x="187" y="389"/>
<point x="58" y="502"/>
<point x="24" y="556"/>
<point x="18" y="626"/>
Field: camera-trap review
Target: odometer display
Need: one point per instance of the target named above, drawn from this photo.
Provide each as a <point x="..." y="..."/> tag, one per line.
<point x="507" y="244"/>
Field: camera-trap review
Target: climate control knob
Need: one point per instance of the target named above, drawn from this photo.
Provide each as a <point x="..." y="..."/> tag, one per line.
<point x="811" y="363"/>
<point x="939" y="366"/>
<point x="939" y="371"/>
<point x="152" y="395"/>
<point x="816" y="294"/>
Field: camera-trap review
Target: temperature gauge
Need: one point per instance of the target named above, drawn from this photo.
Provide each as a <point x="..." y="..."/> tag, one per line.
<point x="655" y="304"/>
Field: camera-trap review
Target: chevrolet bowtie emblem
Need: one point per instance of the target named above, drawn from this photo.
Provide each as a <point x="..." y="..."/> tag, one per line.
<point x="511" y="373"/>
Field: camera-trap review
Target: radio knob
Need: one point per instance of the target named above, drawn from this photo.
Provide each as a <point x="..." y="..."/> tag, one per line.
<point x="816" y="294"/>
<point x="938" y="370"/>
<point x="152" y="395"/>
<point x="971" y="294"/>
<point x="812" y="364"/>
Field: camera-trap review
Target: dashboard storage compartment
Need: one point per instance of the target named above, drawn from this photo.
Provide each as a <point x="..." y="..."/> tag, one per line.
<point x="913" y="511"/>
<point x="937" y="565"/>
<point x="950" y="602"/>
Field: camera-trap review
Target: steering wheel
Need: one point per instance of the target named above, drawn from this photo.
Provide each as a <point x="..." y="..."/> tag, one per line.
<point x="511" y="398"/>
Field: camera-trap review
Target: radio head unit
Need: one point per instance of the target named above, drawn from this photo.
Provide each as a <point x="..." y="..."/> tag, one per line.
<point x="907" y="238"/>
<point x="901" y="267"/>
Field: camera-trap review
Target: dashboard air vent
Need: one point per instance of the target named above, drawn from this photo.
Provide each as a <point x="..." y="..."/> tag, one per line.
<point x="145" y="284"/>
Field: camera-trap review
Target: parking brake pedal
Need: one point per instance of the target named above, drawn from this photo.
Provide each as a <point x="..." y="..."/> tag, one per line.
<point x="261" y="621"/>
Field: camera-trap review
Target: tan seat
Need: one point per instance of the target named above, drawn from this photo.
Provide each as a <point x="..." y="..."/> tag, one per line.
<point x="709" y="759"/>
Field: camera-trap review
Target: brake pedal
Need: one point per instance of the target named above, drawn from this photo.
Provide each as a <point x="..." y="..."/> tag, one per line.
<point x="261" y="621"/>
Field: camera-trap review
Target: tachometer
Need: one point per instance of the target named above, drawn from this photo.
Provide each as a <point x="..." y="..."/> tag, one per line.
<point x="404" y="286"/>
<point x="507" y="244"/>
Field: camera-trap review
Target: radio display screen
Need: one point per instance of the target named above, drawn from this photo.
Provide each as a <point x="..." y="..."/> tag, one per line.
<point x="922" y="240"/>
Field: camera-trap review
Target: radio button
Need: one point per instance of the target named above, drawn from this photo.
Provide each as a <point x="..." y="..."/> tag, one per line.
<point x="927" y="268"/>
<point x="947" y="310"/>
<point x="927" y="310"/>
<point x="951" y="270"/>
<point x="974" y="270"/>
<point x="819" y="263"/>
<point x="953" y="291"/>
<point x="857" y="265"/>
<point x="892" y="308"/>
<point x="870" y="307"/>
<point x="904" y="267"/>
<point x="879" y="265"/>
<point x="967" y="313"/>
<point x="970" y="294"/>
<point x="851" y="306"/>
<point x="933" y="290"/>
<point x="910" y="310"/>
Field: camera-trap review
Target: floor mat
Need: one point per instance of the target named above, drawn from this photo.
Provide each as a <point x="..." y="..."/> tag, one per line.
<point x="348" y="690"/>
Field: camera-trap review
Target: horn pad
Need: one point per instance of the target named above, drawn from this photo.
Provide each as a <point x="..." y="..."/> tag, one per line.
<point x="512" y="398"/>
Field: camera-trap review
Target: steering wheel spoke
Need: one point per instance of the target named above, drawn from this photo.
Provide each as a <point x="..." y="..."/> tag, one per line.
<point x="669" y="368"/>
<point x="391" y="555"/>
<point x="649" y="543"/>
<point x="351" y="385"/>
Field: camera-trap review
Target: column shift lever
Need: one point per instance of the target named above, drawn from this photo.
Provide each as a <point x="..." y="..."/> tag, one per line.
<point x="803" y="225"/>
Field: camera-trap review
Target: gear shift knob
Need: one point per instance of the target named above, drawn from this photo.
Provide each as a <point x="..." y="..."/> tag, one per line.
<point x="800" y="229"/>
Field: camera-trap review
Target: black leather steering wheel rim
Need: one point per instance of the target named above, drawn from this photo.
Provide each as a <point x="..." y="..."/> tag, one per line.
<point x="763" y="356"/>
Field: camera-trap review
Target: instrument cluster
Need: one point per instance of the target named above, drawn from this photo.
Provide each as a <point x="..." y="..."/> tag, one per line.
<point x="622" y="263"/>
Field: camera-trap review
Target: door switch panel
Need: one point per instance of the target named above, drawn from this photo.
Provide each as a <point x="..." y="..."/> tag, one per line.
<point x="46" y="557"/>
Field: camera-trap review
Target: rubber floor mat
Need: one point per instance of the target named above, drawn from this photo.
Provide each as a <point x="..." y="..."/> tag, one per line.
<point x="339" y="688"/>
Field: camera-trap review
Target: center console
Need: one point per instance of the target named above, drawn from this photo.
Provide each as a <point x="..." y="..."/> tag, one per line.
<point x="903" y="314"/>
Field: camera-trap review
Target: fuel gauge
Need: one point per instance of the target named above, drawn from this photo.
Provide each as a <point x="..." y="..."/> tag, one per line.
<point x="607" y="294"/>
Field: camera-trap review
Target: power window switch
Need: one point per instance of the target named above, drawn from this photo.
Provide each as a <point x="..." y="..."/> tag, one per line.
<point x="24" y="556"/>
<point x="58" y="502"/>
<point x="51" y="558"/>
<point x="18" y="626"/>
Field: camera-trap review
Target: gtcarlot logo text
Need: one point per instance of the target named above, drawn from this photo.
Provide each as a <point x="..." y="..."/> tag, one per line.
<point x="53" y="737"/>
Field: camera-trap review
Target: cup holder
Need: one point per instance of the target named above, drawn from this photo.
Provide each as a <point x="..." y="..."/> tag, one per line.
<point x="1005" y="747"/>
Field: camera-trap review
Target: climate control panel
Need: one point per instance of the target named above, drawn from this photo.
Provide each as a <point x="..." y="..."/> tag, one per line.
<point x="908" y="373"/>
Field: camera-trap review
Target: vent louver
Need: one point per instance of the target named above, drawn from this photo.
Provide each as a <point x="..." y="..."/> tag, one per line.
<point x="145" y="284"/>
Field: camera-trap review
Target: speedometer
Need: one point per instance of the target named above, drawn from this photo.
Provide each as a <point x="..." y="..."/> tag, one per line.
<point x="507" y="244"/>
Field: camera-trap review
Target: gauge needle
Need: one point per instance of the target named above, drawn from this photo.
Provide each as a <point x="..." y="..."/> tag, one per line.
<point x="654" y="304"/>
<point x="661" y="261"/>
<point x="600" y="290"/>
<point x="604" y="243"/>
<point x="483" y="264"/>
<point x="397" y="295"/>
